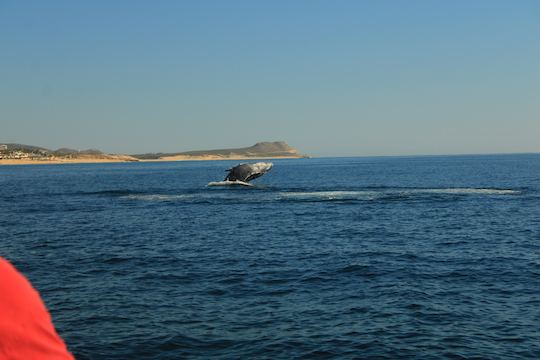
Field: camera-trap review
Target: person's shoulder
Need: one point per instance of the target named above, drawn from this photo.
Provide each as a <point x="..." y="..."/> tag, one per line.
<point x="16" y="291"/>
<point x="26" y="329"/>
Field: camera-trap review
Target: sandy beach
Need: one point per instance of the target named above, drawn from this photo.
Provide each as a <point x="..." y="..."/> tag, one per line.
<point x="122" y="159"/>
<point x="55" y="161"/>
<point x="217" y="157"/>
<point x="66" y="160"/>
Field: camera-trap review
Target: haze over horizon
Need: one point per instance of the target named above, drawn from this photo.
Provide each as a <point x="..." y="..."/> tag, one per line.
<point x="329" y="78"/>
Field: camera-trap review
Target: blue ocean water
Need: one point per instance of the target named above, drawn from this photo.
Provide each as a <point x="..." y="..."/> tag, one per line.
<point x="331" y="258"/>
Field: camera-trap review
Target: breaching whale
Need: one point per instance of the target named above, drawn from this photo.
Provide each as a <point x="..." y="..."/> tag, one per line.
<point x="247" y="172"/>
<point x="242" y="174"/>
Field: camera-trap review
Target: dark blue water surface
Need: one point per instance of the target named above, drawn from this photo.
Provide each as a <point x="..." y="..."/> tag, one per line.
<point x="411" y="257"/>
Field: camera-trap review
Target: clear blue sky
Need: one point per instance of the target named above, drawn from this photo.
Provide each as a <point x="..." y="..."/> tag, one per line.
<point x="329" y="77"/>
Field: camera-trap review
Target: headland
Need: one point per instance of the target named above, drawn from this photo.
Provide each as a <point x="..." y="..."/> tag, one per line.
<point x="19" y="154"/>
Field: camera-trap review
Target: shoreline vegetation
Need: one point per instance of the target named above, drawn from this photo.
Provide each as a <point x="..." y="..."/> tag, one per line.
<point x="18" y="154"/>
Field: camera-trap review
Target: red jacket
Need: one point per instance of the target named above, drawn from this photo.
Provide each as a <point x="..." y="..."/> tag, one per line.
<point x="26" y="329"/>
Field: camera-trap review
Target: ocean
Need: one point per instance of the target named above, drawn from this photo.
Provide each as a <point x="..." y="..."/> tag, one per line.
<point x="429" y="257"/>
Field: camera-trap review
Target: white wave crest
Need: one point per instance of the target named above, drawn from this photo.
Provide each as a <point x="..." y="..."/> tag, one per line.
<point x="158" y="197"/>
<point x="330" y="195"/>
<point x="377" y="194"/>
<point x="474" y="191"/>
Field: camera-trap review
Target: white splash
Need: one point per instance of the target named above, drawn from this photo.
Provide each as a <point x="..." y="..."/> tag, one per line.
<point x="229" y="183"/>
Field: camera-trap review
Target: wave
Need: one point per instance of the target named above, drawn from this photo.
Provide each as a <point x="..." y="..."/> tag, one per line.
<point x="388" y="194"/>
<point x="201" y="197"/>
<point x="158" y="197"/>
<point x="466" y="191"/>
<point x="227" y="195"/>
<point x="112" y="193"/>
<point x="329" y="195"/>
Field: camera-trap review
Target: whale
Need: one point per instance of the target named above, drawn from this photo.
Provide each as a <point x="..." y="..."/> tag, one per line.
<point x="247" y="172"/>
<point x="242" y="174"/>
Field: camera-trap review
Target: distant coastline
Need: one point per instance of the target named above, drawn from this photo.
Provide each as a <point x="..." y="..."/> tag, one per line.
<point x="18" y="154"/>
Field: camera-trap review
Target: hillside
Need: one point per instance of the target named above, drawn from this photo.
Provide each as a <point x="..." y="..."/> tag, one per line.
<point x="28" y="154"/>
<point x="259" y="150"/>
<point x="31" y="149"/>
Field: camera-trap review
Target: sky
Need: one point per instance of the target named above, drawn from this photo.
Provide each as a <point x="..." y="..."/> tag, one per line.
<point x="332" y="78"/>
